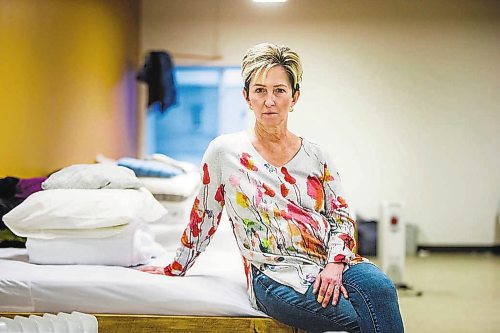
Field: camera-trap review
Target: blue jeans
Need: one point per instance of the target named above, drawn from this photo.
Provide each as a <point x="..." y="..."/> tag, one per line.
<point x="372" y="305"/>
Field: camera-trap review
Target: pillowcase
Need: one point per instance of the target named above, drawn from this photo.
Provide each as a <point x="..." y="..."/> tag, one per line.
<point x="92" y="176"/>
<point x="82" y="213"/>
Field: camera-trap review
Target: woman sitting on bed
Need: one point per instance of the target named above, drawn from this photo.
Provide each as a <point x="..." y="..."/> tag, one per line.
<point x="289" y="215"/>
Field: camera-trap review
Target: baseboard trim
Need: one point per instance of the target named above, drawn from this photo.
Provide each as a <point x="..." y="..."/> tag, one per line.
<point x="460" y="249"/>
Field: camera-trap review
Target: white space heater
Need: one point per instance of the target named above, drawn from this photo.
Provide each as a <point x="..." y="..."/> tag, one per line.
<point x="391" y="242"/>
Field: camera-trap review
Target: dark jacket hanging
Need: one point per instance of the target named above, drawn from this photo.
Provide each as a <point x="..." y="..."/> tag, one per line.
<point x="157" y="72"/>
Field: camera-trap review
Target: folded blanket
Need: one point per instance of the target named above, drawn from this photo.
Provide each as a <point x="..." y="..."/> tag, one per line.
<point x="133" y="246"/>
<point x="26" y="187"/>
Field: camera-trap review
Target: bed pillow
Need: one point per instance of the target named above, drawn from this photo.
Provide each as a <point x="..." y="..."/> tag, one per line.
<point x="184" y="185"/>
<point x="82" y="213"/>
<point x="92" y="176"/>
<point x="182" y="165"/>
<point x="149" y="168"/>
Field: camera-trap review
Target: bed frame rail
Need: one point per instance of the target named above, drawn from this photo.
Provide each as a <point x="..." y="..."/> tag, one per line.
<point x="117" y="323"/>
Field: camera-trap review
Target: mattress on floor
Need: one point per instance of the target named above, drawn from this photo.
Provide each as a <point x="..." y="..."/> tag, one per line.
<point x="214" y="286"/>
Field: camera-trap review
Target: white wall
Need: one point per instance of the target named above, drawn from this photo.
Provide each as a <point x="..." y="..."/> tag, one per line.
<point x="404" y="94"/>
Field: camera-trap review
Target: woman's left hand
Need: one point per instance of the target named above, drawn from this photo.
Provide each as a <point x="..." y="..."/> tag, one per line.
<point x="329" y="283"/>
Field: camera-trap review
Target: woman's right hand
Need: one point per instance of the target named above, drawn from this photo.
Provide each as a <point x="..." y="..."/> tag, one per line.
<point x="152" y="269"/>
<point x="328" y="284"/>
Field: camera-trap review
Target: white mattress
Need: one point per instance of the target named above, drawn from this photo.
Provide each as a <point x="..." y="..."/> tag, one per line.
<point x="215" y="286"/>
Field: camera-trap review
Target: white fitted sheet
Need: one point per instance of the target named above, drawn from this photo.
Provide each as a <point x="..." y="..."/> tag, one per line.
<point x="215" y="285"/>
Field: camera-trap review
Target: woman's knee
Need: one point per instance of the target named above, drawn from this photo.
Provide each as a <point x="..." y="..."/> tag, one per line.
<point x="386" y="288"/>
<point x="370" y="278"/>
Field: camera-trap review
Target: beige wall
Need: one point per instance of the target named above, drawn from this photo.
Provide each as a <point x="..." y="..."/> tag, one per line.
<point x="404" y="94"/>
<point x="67" y="88"/>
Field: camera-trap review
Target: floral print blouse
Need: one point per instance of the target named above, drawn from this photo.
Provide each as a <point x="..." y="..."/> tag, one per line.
<point x="289" y="221"/>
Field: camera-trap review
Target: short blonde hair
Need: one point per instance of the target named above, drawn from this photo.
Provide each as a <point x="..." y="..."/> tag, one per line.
<point x="262" y="57"/>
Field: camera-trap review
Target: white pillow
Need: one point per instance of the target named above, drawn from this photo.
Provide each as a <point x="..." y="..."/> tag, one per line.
<point x="183" y="185"/>
<point x="184" y="166"/>
<point x="82" y="213"/>
<point x="92" y="176"/>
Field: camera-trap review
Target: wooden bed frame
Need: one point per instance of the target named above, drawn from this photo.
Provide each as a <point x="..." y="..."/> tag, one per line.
<point x="115" y="323"/>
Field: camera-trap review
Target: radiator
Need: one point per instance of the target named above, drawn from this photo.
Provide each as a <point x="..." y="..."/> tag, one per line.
<point x="391" y="242"/>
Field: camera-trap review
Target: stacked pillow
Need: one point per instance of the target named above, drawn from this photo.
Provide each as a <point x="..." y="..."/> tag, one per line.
<point x="92" y="176"/>
<point x="173" y="183"/>
<point x="99" y="213"/>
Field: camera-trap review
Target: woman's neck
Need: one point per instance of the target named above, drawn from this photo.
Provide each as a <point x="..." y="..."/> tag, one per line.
<point x="275" y="135"/>
<point x="277" y="146"/>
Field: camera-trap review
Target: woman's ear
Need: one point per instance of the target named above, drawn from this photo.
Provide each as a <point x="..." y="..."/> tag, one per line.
<point x="295" y="97"/>
<point x="247" y="98"/>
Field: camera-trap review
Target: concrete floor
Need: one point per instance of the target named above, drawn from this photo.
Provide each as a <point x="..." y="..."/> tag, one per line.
<point x="461" y="293"/>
